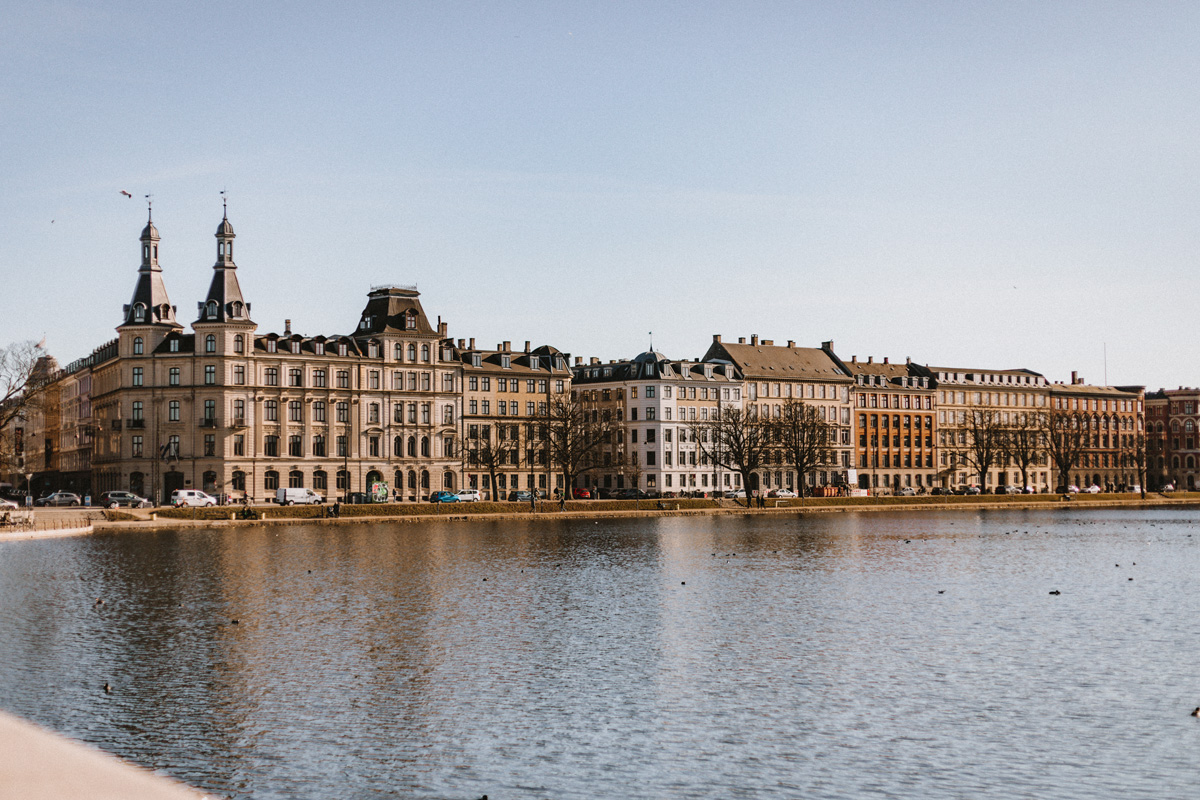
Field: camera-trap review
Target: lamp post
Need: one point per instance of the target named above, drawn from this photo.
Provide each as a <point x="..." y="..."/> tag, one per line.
<point x="29" y="488"/>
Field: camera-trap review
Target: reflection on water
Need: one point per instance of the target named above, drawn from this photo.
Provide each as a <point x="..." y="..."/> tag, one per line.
<point x="898" y="655"/>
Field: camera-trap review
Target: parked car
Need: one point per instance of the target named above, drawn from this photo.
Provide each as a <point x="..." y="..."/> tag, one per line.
<point x="59" y="499"/>
<point x="443" y="497"/>
<point x="1073" y="490"/>
<point x="288" y="497"/>
<point x="939" y="490"/>
<point x="122" y="500"/>
<point x="972" y="490"/>
<point x="520" y="497"/>
<point x="737" y="494"/>
<point x="8" y="505"/>
<point x="1093" y="489"/>
<point x="906" y="491"/>
<point x="1170" y="487"/>
<point x="581" y="494"/>
<point x="191" y="498"/>
<point x="469" y="496"/>
<point x="781" y="493"/>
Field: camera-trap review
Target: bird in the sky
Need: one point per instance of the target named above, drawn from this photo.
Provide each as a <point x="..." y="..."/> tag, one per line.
<point x="127" y="194"/>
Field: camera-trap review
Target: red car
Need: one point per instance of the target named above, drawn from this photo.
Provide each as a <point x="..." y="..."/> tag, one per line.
<point x="581" y="494"/>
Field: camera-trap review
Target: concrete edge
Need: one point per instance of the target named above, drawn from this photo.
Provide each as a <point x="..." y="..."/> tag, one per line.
<point x="37" y="764"/>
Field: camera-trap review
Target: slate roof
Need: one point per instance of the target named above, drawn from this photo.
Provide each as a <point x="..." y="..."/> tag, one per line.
<point x="774" y="362"/>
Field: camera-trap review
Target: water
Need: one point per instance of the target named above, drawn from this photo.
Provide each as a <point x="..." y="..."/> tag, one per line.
<point x="857" y="655"/>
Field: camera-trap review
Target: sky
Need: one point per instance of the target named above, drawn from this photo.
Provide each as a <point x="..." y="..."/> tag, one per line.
<point x="992" y="185"/>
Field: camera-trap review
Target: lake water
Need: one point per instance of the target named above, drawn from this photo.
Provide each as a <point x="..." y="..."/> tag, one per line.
<point x="842" y="655"/>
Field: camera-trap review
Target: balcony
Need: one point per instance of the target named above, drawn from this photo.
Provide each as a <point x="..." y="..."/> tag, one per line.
<point x="237" y="422"/>
<point x="133" y="423"/>
<point x="208" y="422"/>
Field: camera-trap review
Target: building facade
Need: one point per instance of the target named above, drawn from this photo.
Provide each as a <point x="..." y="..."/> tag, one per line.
<point x="895" y="430"/>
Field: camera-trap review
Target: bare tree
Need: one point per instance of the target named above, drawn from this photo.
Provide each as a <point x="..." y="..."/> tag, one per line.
<point x="1134" y="453"/>
<point x="984" y="446"/>
<point x="1068" y="435"/>
<point x="805" y="439"/>
<point x="25" y="370"/>
<point x="573" y="433"/>
<point x="735" y="439"/>
<point x="494" y="455"/>
<point x="1023" y="441"/>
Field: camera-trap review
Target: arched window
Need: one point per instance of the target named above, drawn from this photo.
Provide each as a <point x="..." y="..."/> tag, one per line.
<point x="239" y="344"/>
<point x="271" y="480"/>
<point x="209" y="481"/>
<point x="212" y="309"/>
<point x="137" y="351"/>
<point x="412" y="446"/>
<point x="1175" y="462"/>
<point x="239" y="481"/>
<point x="237" y="308"/>
<point x="139" y="312"/>
<point x="210" y="343"/>
<point x="398" y="446"/>
<point x="397" y="483"/>
<point x="399" y="352"/>
<point x="320" y="481"/>
<point x="1175" y="426"/>
<point x="424" y="479"/>
<point x="412" y="479"/>
<point x="1189" y="426"/>
<point x="295" y="479"/>
<point x="425" y="447"/>
<point x="412" y="352"/>
<point x="425" y="353"/>
<point x="343" y="479"/>
<point x="448" y="481"/>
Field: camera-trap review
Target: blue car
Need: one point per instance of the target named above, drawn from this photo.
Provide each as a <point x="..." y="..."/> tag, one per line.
<point x="443" y="497"/>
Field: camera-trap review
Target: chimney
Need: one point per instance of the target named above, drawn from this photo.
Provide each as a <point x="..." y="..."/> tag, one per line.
<point x="1074" y="377"/>
<point x="741" y="340"/>
<point x="827" y="346"/>
<point x="908" y="361"/>
<point x="716" y="338"/>
<point x="768" y="342"/>
<point x="791" y="343"/>
<point x="287" y="327"/>
<point x="579" y="361"/>
<point x="754" y="338"/>
<point x="472" y="343"/>
<point x="870" y="359"/>
<point x="507" y="346"/>
<point x="853" y="359"/>
<point x="593" y="361"/>
<point x="442" y="328"/>
<point x="526" y="345"/>
<point x="697" y="359"/>
<point x="462" y="344"/>
<point x="885" y="359"/>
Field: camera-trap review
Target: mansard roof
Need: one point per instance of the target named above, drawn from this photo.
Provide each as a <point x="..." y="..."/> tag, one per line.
<point x="764" y="361"/>
<point x="394" y="310"/>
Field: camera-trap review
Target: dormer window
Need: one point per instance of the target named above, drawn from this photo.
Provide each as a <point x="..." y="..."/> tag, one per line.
<point x="319" y="348"/>
<point x="139" y="312"/>
<point x="296" y="346"/>
<point x="212" y="309"/>
<point x="505" y="361"/>
<point x="237" y="309"/>
<point x="410" y="320"/>
<point x="173" y="346"/>
<point x="341" y="348"/>
<point x="270" y="345"/>
<point x="476" y="360"/>
<point x="533" y="362"/>
<point x="373" y="350"/>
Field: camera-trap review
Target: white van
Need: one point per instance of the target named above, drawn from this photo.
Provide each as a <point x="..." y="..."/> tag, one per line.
<point x="191" y="497"/>
<point x="287" y="497"/>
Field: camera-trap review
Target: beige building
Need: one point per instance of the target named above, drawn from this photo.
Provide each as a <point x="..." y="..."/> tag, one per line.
<point x="503" y="394"/>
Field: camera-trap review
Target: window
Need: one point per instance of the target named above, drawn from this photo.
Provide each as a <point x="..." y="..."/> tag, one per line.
<point x="342" y="447"/>
<point x="137" y="447"/>
<point x="373" y="446"/>
<point x="271" y="411"/>
<point x="341" y="348"/>
<point x="210" y="444"/>
<point x="424" y="352"/>
<point x="210" y="375"/>
<point x="295" y="448"/>
<point x="343" y="411"/>
<point x="210" y="409"/>
<point x="295" y="377"/>
<point x="373" y="414"/>
<point x="320" y="480"/>
<point x="271" y="446"/>
<point x="173" y="346"/>
<point x="373" y="379"/>
<point x="173" y="411"/>
<point x="447" y="415"/>
<point x="271" y="480"/>
<point x="295" y="479"/>
<point x="271" y="345"/>
<point x="239" y="375"/>
<point x="343" y="379"/>
<point x="137" y="411"/>
<point x="271" y="376"/>
<point x="319" y="378"/>
<point x="137" y="346"/>
<point x="318" y="446"/>
<point x="239" y="445"/>
<point x="239" y="343"/>
<point x="425" y="381"/>
<point x="318" y="411"/>
<point x="137" y="376"/>
<point x="210" y="343"/>
<point x="239" y="481"/>
<point x="295" y="411"/>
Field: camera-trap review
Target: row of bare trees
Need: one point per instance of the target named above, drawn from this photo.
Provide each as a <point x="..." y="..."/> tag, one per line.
<point x="988" y="440"/>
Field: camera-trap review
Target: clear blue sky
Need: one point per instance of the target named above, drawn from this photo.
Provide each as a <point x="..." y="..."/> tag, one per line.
<point x="970" y="184"/>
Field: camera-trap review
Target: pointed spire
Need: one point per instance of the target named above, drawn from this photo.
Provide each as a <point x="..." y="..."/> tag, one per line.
<point x="224" y="302"/>
<point x="150" y="304"/>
